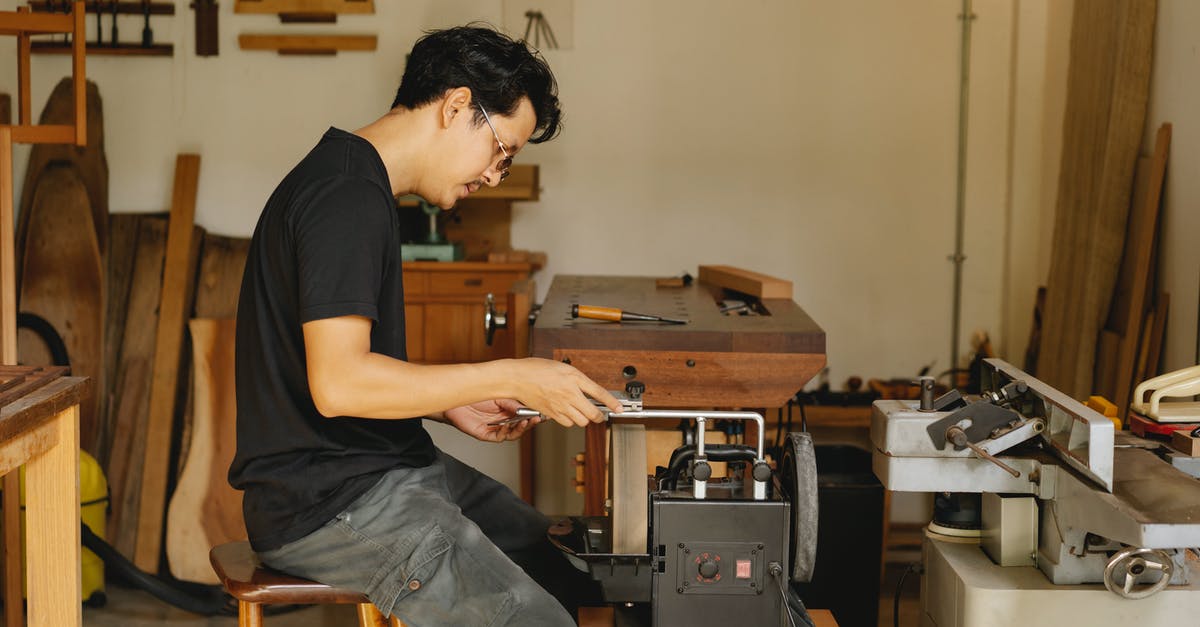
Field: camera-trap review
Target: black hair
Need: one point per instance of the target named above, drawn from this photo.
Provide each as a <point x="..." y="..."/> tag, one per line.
<point x="498" y="70"/>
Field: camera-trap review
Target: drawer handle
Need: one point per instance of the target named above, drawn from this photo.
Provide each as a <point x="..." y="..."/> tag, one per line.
<point x="472" y="282"/>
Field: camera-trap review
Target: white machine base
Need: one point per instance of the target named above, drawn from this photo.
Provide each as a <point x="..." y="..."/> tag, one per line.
<point x="963" y="588"/>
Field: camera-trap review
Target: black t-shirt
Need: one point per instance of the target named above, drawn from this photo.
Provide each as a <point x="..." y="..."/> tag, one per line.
<point x="327" y="245"/>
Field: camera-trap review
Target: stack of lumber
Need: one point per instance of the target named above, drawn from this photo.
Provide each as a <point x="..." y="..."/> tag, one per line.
<point x="1107" y="91"/>
<point x="1130" y="343"/>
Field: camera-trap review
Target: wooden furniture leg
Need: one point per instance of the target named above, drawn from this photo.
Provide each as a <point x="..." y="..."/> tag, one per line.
<point x="52" y="521"/>
<point x="250" y="614"/>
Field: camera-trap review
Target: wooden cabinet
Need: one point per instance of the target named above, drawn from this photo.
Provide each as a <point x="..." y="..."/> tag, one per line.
<point x="444" y="306"/>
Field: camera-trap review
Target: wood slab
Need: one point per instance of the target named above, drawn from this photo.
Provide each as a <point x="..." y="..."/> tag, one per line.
<point x="222" y="261"/>
<point x="62" y="281"/>
<point x="89" y="160"/>
<point x="1111" y="52"/>
<point x="131" y="389"/>
<point x="205" y="510"/>
<point x="1139" y="251"/>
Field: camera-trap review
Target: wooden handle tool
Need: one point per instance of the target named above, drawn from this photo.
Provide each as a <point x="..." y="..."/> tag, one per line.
<point x="613" y="314"/>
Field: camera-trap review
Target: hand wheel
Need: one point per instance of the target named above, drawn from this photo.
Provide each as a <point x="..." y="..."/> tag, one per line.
<point x="1126" y="566"/>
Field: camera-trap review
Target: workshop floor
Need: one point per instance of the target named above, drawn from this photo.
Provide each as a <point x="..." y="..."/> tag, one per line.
<point x="134" y="608"/>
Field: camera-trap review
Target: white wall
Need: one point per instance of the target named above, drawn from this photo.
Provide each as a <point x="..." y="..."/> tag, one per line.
<point x="1175" y="98"/>
<point x="811" y="140"/>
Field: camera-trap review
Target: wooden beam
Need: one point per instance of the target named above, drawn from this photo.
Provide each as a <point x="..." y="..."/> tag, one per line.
<point x="307" y="44"/>
<point x="8" y="272"/>
<point x="13" y="613"/>
<point x="168" y="344"/>
<point x="78" y="71"/>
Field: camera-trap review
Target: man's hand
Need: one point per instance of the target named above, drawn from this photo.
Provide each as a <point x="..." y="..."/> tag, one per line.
<point x="561" y="392"/>
<point x="474" y="420"/>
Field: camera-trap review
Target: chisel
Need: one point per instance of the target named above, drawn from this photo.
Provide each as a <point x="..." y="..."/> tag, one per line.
<point x="613" y="314"/>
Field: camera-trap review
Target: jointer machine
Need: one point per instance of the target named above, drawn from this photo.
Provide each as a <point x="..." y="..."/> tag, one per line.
<point x="688" y="546"/>
<point x="1045" y="514"/>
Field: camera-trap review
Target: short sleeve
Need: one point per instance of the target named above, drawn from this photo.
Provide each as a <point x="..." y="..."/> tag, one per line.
<point x="343" y="240"/>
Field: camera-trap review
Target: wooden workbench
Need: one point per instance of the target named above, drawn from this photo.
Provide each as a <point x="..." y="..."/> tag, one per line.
<point x="713" y="361"/>
<point x="41" y="431"/>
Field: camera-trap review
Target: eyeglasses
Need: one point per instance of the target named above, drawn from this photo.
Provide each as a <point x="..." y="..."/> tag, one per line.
<point x="506" y="162"/>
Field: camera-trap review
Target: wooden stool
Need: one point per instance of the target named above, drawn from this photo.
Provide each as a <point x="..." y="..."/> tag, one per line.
<point x="255" y="585"/>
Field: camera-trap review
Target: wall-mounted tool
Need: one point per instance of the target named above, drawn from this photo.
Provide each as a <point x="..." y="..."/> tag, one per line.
<point x="613" y="314"/>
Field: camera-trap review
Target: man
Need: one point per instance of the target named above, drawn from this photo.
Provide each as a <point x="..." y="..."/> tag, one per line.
<point x="342" y="483"/>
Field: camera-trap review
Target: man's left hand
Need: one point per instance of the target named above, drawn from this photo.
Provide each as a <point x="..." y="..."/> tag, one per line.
<point x="474" y="420"/>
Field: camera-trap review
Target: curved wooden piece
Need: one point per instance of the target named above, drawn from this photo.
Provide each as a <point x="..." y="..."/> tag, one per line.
<point x="61" y="281"/>
<point x="90" y="161"/>
<point x="205" y="511"/>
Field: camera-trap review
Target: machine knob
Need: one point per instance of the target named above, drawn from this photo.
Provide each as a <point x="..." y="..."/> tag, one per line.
<point x="635" y="389"/>
<point x="701" y="471"/>
<point x="709" y="568"/>
<point x="762" y="471"/>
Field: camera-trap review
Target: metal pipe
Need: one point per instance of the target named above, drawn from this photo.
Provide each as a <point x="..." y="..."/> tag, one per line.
<point x="960" y="202"/>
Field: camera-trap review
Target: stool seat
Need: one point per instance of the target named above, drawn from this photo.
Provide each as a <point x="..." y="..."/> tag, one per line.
<point x="254" y="585"/>
<point x="248" y="579"/>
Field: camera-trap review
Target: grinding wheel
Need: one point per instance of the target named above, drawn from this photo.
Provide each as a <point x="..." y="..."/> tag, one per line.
<point x="798" y="477"/>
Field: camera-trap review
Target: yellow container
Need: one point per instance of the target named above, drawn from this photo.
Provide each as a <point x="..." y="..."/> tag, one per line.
<point x="93" y="506"/>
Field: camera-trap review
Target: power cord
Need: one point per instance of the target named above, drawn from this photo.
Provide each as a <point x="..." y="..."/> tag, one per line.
<point x="776" y="571"/>
<point x="914" y="567"/>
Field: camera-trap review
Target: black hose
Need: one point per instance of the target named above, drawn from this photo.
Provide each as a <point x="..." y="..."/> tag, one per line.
<point x="204" y="600"/>
<point x="45" y="330"/>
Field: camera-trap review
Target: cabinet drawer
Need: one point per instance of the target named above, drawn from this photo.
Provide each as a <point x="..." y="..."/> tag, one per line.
<point x="416" y="283"/>
<point x="467" y="283"/>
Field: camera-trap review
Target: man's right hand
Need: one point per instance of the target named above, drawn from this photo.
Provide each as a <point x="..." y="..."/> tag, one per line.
<point x="560" y="392"/>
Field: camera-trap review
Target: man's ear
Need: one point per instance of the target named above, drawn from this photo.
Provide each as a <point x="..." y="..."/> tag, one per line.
<point x="456" y="102"/>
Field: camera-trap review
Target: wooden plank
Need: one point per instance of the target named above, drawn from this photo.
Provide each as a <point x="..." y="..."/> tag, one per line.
<point x="1108" y="87"/>
<point x="24" y="106"/>
<point x="222" y="261"/>
<point x="122" y="249"/>
<point x="747" y="282"/>
<point x="90" y="162"/>
<point x="53" y="134"/>
<point x="177" y="285"/>
<point x="131" y="391"/>
<point x="1143" y="226"/>
<point x="307" y="44"/>
<point x="304" y="6"/>
<point x="21" y="380"/>
<point x="22" y="21"/>
<point x="1158" y="335"/>
<point x="62" y="279"/>
<point x="205" y="510"/>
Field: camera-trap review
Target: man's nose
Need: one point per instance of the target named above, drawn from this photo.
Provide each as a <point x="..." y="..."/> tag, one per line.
<point x="491" y="176"/>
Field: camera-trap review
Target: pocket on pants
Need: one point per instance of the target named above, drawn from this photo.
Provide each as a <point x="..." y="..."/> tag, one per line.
<point x="418" y="568"/>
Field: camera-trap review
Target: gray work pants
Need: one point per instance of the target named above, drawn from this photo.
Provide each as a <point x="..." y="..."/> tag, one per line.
<point x="432" y="546"/>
